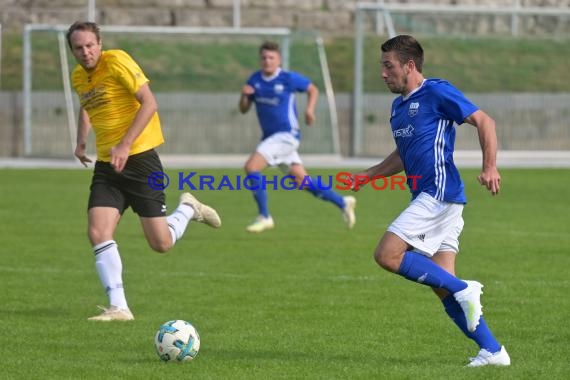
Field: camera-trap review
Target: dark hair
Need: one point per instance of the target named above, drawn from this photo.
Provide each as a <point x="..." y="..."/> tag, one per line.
<point x="86" y="26"/>
<point x="269" y="45"/>
<point x="407" y="48"/>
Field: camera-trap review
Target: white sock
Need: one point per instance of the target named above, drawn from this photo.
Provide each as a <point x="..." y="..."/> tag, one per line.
<point x="178" y="221"/>
<point x="110" y="270"/>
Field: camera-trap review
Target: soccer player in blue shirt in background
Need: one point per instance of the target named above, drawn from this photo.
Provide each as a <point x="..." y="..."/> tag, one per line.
<point x="273" y="90"/>
<point x="421" y="244"/>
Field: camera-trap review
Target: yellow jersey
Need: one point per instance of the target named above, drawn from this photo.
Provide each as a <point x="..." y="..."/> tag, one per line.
<point x="108" y="95"/>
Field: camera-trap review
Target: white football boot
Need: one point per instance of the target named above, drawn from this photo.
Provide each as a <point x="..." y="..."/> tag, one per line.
<point x="202" y="213"/>
<point x="113" y="313"/>
<point x="484" y="358"/>
<point x="470" y="301"/>
<point x="348" y="211"/>
<point x="261" y="224"/>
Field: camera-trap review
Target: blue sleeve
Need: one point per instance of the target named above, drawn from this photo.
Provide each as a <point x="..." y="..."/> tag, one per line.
<point x="453" y="104"/>
<point x="298" y="82"/>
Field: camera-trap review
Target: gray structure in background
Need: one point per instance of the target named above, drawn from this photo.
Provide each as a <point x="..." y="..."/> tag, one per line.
<point x="514" y="11"/>
<point x="62" y="47"/>
<point x="210" y="124"/>
<point x="525" y="121"/>
<point x="328" y="16"/>
<point x="529" y="121"/>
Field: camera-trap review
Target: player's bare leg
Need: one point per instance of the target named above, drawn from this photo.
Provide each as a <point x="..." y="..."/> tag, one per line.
<point x="157" y="233"/>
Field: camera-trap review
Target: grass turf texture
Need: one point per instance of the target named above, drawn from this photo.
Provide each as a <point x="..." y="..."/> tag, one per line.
<point x="303" y="301"/>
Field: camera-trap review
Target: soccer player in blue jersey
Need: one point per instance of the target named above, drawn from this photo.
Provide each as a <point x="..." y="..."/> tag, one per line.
<point x="273" y="90"/>
<point x="422" y="243"/>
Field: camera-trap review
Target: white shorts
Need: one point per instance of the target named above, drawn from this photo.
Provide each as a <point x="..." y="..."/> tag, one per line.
<point x="280" y="150"/>
<point x="430" y="225"/>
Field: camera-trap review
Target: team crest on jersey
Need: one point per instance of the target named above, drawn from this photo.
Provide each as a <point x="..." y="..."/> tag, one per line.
<point x="278" y="88"/>
<point x="413" y="110"/>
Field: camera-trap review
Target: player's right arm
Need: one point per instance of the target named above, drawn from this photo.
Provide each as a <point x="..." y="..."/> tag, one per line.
<point x="388" y="167"/>
<point x="245" y="98"/>
<point x="83" y="128"/>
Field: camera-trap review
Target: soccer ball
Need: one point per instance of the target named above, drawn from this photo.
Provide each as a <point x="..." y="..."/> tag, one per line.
<point x="177" y="341"/>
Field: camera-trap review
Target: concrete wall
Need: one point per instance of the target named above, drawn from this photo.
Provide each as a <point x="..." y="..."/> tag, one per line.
<point x="328" y="16"/>
<point x="211" y="124"/>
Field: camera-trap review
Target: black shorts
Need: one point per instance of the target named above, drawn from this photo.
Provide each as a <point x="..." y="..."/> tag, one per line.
<point x="130" y="187"/>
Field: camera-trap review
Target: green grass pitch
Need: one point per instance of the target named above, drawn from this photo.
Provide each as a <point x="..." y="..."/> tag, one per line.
<point x="303" y="301"/>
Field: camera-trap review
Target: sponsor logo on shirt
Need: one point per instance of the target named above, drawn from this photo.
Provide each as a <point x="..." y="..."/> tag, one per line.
<point x="271" y="101"/>
<point x="404" y="132"/>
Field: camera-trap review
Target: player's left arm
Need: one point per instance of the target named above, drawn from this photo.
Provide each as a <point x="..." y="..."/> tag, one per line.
<point x="120" y="152"/>
<point x="312" y="96"/>
<point x="489" y="177"/>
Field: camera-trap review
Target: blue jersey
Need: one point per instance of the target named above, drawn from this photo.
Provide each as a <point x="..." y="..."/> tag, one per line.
<point x="274" y="99"/>
<point x="423" y="126"/>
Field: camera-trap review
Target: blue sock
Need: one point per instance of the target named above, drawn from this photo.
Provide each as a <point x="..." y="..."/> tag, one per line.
<point x="482" y="335"/>
<point x="319" y="191"/>
<point x="418" y="268"/>
<point x="259" y="194"/>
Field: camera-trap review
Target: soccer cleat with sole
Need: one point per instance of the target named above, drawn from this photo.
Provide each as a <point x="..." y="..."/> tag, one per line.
<point x="261" y="224"/>
<point x="113" y="313"/>
<point x="470" y="301"/>
<point x="348" y="211"/>
<point x="202" y="213"/>
<point x="484" y="358"/>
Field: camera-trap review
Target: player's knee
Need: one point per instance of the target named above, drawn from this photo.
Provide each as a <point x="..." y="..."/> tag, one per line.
<point x="97" y="235"/>
<point x="386" y="261"/>
<point x="250" y="166"/>
<point x="161" y="246"/>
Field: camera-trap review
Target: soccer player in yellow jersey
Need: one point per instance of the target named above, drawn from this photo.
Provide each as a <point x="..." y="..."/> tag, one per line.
<point x="117" y="103"/>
